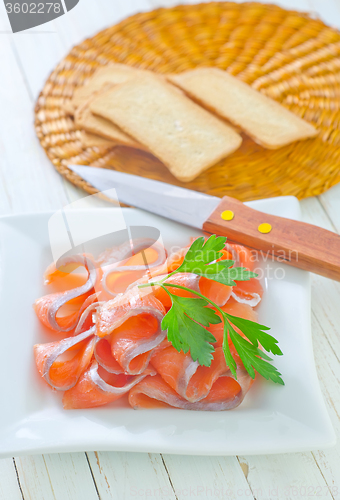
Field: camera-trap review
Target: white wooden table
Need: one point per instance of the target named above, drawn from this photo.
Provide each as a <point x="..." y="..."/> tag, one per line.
<point x="28" y="182"/>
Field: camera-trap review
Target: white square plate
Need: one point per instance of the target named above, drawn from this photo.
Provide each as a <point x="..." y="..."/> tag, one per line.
<point x="272" y="419"/>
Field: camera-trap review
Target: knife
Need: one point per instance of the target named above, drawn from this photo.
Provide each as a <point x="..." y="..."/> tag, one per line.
<point x="296" y="243"/>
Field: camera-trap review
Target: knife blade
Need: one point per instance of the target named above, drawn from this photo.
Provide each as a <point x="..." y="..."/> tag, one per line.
<point x="295" y="243"/>
<point x="179" y="204"/>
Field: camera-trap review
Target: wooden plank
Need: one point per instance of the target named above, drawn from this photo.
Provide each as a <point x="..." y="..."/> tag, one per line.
<point x="130" y="475"/>
<point x="325" y="292"/>
<point x="286" y="477"/>
<point x="127" y="8"/>
<point x="208" y="477"/>
<point x="330" y="201"/>
<point x="328" y="367"/>
<point x="29" y="182"/>
<point x="84" y="21"/>
<point x="37" y="55"/>
<point x="325" y="321"/>
<point x="56" y="477"/>
<point x="314" y="213"/>
<point x="9" y="486"/>
<point x="289" y="476"/>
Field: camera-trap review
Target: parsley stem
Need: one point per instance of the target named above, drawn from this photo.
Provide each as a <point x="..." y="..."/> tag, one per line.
<point x="171" y="285"/>
<point x="225" y="346"/>
<point x="144" y="285"/>
<point x="194" y="292"/>
<point x="159" y="283"/>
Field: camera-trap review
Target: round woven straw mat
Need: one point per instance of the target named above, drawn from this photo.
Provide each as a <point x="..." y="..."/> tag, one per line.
<point x="286" y="55"/>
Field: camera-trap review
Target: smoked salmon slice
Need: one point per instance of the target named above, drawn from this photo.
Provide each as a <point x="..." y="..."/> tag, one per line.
<point x="86" y="313"/>
<point x="248" y="292"/>
<point x="132" y="324"/>
<point x="62" y="375"/>
<point x="98" y="387"/>
<point x="242" y="256"/>
<point x="48" y="306"/>
<point x="129" y="262"/>
<point x="190" y="380"/>
<point x="225" y="394"/>
<point x="104" y="356"/>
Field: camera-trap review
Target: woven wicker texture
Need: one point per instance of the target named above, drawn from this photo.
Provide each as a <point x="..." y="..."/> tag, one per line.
<point x="286" y="55"/>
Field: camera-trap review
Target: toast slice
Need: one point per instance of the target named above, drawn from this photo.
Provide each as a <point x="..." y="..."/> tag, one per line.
<point x="185" y="137"/>
<point x="85" y="119"/>
<point x="266" y="121"/>
<point x="90" y="140"/>
<point x="112" y="74"/>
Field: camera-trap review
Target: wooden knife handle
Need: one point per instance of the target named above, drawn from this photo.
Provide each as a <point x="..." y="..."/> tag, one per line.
<point x="296" y="243"/>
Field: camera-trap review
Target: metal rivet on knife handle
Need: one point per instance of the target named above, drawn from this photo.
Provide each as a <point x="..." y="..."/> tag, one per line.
<point x="227" y="215"/>
<point x="265" y="228"/>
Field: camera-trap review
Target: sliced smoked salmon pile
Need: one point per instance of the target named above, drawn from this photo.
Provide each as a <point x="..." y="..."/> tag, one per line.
<point x="115" y="344"/>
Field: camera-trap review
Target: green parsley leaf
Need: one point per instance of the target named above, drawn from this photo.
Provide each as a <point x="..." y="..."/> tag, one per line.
<point x="200" y="255"/>
<point x="252" y="357"/>
<point x="223" y="274"/>
<point x="202" y="251"/>
<point x="254" y="332"/>
<point x="184" y="325"/>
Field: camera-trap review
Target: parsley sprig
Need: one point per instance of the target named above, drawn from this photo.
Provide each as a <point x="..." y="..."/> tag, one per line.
<point x="188" y="317"/>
